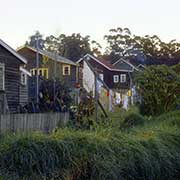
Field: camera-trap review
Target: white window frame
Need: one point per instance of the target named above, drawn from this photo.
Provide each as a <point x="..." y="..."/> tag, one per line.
<point x="115" y="78"/>
<point x="101" y="76"/>
<point x="3" y="78"/>
<point x="123" y="78"/>
<point x="69" y="70"/>
<point x="43" y="70"/>
<point x="23" y="78"/>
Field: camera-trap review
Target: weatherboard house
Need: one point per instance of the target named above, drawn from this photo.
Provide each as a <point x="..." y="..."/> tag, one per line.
<point x="117" y="76"/>
<point x="51" y="66"/>
<point x="13" y="79"/>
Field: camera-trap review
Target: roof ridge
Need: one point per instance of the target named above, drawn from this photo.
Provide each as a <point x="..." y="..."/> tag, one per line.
<point x="107" y="66"/>
<point x="51" y="55"/>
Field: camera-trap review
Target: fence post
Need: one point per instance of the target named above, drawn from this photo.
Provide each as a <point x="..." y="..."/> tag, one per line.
<point x="110" y="101"/>
<point x="0" y="123"/>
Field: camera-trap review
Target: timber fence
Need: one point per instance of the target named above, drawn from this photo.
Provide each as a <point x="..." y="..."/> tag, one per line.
<point x="44" y="122"/>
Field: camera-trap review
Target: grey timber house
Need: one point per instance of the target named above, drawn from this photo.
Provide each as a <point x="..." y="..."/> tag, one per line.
<point x="13" y="80"/>
<point x="51" y="65"/>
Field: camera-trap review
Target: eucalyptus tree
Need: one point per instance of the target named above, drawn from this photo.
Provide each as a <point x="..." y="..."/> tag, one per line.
<point x="123" y="43"/>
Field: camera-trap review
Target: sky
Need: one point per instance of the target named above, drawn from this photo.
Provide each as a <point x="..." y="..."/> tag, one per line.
<point x="21" y="18"/>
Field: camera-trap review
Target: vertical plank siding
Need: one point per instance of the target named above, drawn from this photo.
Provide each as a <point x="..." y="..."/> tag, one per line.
<point x="32" y="122"/>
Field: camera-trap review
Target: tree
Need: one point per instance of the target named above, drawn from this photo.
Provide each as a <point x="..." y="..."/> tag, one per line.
<point x="159" y="87"/>
<point x="120" y="41"/>
<point x="123" y="42"/>
<point x="32" y="40"/>
<point x="72" y="47"/>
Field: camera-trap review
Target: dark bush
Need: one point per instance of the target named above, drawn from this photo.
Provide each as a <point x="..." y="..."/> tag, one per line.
<point x="133" y="119"/>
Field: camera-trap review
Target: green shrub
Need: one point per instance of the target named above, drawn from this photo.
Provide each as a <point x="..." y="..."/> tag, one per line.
<point x="133" y="119"/>
<point x="159" y="87"/>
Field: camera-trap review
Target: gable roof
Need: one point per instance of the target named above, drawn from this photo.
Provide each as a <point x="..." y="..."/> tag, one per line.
<point x="95" y="73"/>
<point x="126" y="62"/>
<point x="105" y="64"/>
<point x="12" y="51"/>
<point x="51" y="55"/>
<point x="140" y="66"/>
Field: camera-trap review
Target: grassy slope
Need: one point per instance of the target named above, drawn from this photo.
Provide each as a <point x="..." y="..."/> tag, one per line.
<point x="149" y="151"/>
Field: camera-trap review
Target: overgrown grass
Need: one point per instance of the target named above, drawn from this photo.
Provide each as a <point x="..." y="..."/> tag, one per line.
<point x="148" y="151"/>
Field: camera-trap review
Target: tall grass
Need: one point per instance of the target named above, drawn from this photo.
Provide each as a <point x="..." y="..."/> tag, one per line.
<point x="146" y="152"/>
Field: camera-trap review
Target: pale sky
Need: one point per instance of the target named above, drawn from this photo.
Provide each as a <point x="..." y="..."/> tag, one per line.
<point x="21" y="18"/>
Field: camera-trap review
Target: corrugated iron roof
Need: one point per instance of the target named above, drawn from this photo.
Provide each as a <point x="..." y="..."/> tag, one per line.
<point x="51" y="55"/>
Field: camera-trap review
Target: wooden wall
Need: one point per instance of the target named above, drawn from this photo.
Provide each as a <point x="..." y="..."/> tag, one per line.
<point x="108" y="76"/>
<point x="23" y="95"/>
<point x="30" y="55"/>
<point x="12" y="78"/>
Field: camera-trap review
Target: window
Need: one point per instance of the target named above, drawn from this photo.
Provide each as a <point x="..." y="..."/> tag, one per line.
<point x="41" y="72"/>
<point x="2" y="86"/>
<point x="35" y="72"/>
<point x="101" y="76"/>
<point x="46" y="73"/>
<point x="123" y="78"/>
<point x="23" y="78"/>
<point x="32" y="72"/>
<point x="116" y="78"/>
<point x="66" y="69"/>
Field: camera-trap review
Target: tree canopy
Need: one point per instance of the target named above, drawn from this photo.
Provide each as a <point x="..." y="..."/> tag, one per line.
<point x="72" y="46"/>
<point x="122" y="42"/>
<point x="33" y="38"/>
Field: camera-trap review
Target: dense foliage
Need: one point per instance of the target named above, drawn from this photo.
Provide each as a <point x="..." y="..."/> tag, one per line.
<point x="82" y="115"/>
<point x="72" y="46"/>
<point x="148" y="152"/>
<point x="159" y="87"/>
<point x="132" y="120"/>
<point x="122" y="43"/>
<point x="54" y="96"/>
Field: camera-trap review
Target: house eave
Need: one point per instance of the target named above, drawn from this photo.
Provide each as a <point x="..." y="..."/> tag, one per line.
<point x="13" y="52"/>
<point x="110" y="69"/>
<point x="25" y="71"/>
<point x="55" y="57"/>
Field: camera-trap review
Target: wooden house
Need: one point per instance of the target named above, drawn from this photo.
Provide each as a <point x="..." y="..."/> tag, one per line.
<point x="125" y="65"/>
<point x="141" y="67"/>
<point x="116" y="76"/>
<point x="13" y="79"/>
<point x="51" y="65"/>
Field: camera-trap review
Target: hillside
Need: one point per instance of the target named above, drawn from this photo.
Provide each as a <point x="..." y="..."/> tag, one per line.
<point x="126" y="148"/>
